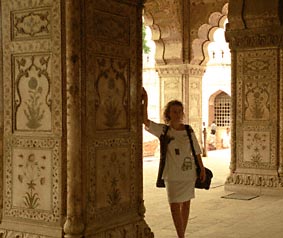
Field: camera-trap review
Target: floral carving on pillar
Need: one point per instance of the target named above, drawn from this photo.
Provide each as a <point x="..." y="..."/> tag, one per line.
<point x="256" y="150"/>
<point x="32" y="92"/>
<point x="113" y="184"/>
<point x="112" y="100"/>
<point x="30" y="24"/>
<point x="257" y="101"/>
<point x="32" y="172"/>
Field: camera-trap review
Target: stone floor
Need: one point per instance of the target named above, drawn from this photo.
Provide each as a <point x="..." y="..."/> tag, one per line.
<point x="211" y="215"/>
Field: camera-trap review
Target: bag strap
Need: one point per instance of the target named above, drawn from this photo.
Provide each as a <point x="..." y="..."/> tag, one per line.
<point x="163" y="149"/>
<point x="189" y="130"/>
<point x="165" y="130"/>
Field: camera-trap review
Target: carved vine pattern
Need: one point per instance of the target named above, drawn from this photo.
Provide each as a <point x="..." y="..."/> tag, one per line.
<point x="256" y="143"/>
<point x="31" y="175"/>
<point x="255" y="180"/>
<point x="112" y="72"/>
<point x="32" y="23"/>
<point x="257" y="101"/>
<point x="113" y="195"/>
<point x="52" y="215"/>
<point x="114" y="177"/>
<point x="33" y="111"/>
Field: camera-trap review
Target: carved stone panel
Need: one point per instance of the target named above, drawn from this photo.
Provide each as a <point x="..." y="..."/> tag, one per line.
<point x="31" y="24"/>
<point x="257" y="101"/>
<point x="195" y="98"/>
<point x="31" y="179"/>
<point x="113" y="185"/>
<point x="174" y="89"/>
<point x="32" y="95"/>
<point x="256" y="109"/>
<point x="32" y="184"/>
<point x="112" y="179"/>
<point x="112" y="81"/>
<point x="257" y="149"/>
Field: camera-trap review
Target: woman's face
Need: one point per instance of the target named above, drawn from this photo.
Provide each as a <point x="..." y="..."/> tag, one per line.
<point x="176" y="114"/>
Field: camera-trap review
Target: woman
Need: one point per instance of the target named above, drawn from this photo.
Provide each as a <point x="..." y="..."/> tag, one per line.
<point x="179" y="173"/>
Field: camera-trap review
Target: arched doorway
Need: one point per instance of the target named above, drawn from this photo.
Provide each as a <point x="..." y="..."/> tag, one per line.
<point x="219" y="112"/>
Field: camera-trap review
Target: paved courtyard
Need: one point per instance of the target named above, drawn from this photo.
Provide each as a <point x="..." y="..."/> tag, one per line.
<point x="211" y="215"/>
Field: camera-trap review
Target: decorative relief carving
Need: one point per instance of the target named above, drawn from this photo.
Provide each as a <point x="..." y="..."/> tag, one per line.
<point x="253" y="65"/>
<point x="257" y="150"/>
<point x="195" y="105"/>
<point x="112" y="82"/>
<point x="32" y="96"/>
<point x="173" y="88"/>
<point x="268" y="181"/>
<point x="24" y="4"/>
<point x="32" y="169"/>
<point x="31" y="179"/>
<point x="112" y="178"/>
<point x="110" y="27"/>
<point x="31" y="24"/>
<point x="257" y="78"/>
<point x="17" y="234"/>
<point x="173" y="70"/>
<point x="113" y="183"/>
<point x="257" y="101"/>
<point x="252" y="38"/>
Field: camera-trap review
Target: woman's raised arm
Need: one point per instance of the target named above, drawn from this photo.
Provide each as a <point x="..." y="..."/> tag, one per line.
<point x="144" y="107"/>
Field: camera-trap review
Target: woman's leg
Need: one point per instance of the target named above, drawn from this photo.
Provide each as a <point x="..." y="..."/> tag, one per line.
<point x="177" y="218"/>
<point x="185" y="210"/>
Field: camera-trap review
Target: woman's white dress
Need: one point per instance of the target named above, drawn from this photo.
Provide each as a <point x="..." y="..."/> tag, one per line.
<point x="179" y="172"/>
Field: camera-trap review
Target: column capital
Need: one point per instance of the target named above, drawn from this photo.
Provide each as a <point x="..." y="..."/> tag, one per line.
<point x="180" y="69"/>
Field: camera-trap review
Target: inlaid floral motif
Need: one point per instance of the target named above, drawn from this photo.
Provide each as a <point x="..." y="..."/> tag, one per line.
<point x="32" y="92"/>
<point x="113" y="177"/>
<point x="31" y="176"/>
<point x="112" y="97"/>
<point x="257" y="101"/>
<point x="257" y="148"/>
<point x="31" y="24"/>
<point x="34" y="113"/>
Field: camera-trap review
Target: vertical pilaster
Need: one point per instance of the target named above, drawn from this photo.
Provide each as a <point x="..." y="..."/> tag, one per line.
<point x="74" y="225"/>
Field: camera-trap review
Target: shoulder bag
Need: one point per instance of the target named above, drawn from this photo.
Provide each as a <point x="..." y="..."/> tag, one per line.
<point x="208" y="172"/>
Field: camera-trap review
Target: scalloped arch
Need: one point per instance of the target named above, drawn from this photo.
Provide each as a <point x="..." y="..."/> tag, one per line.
<point x="205" y="35"/>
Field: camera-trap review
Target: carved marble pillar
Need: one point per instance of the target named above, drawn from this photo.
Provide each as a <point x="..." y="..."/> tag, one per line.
<point x="111" y="127"/>
<point x="255" y="36"/>
<point x="33" y="152"/>
<point x="184" y="82"/>
<point x="72" y="130"/>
